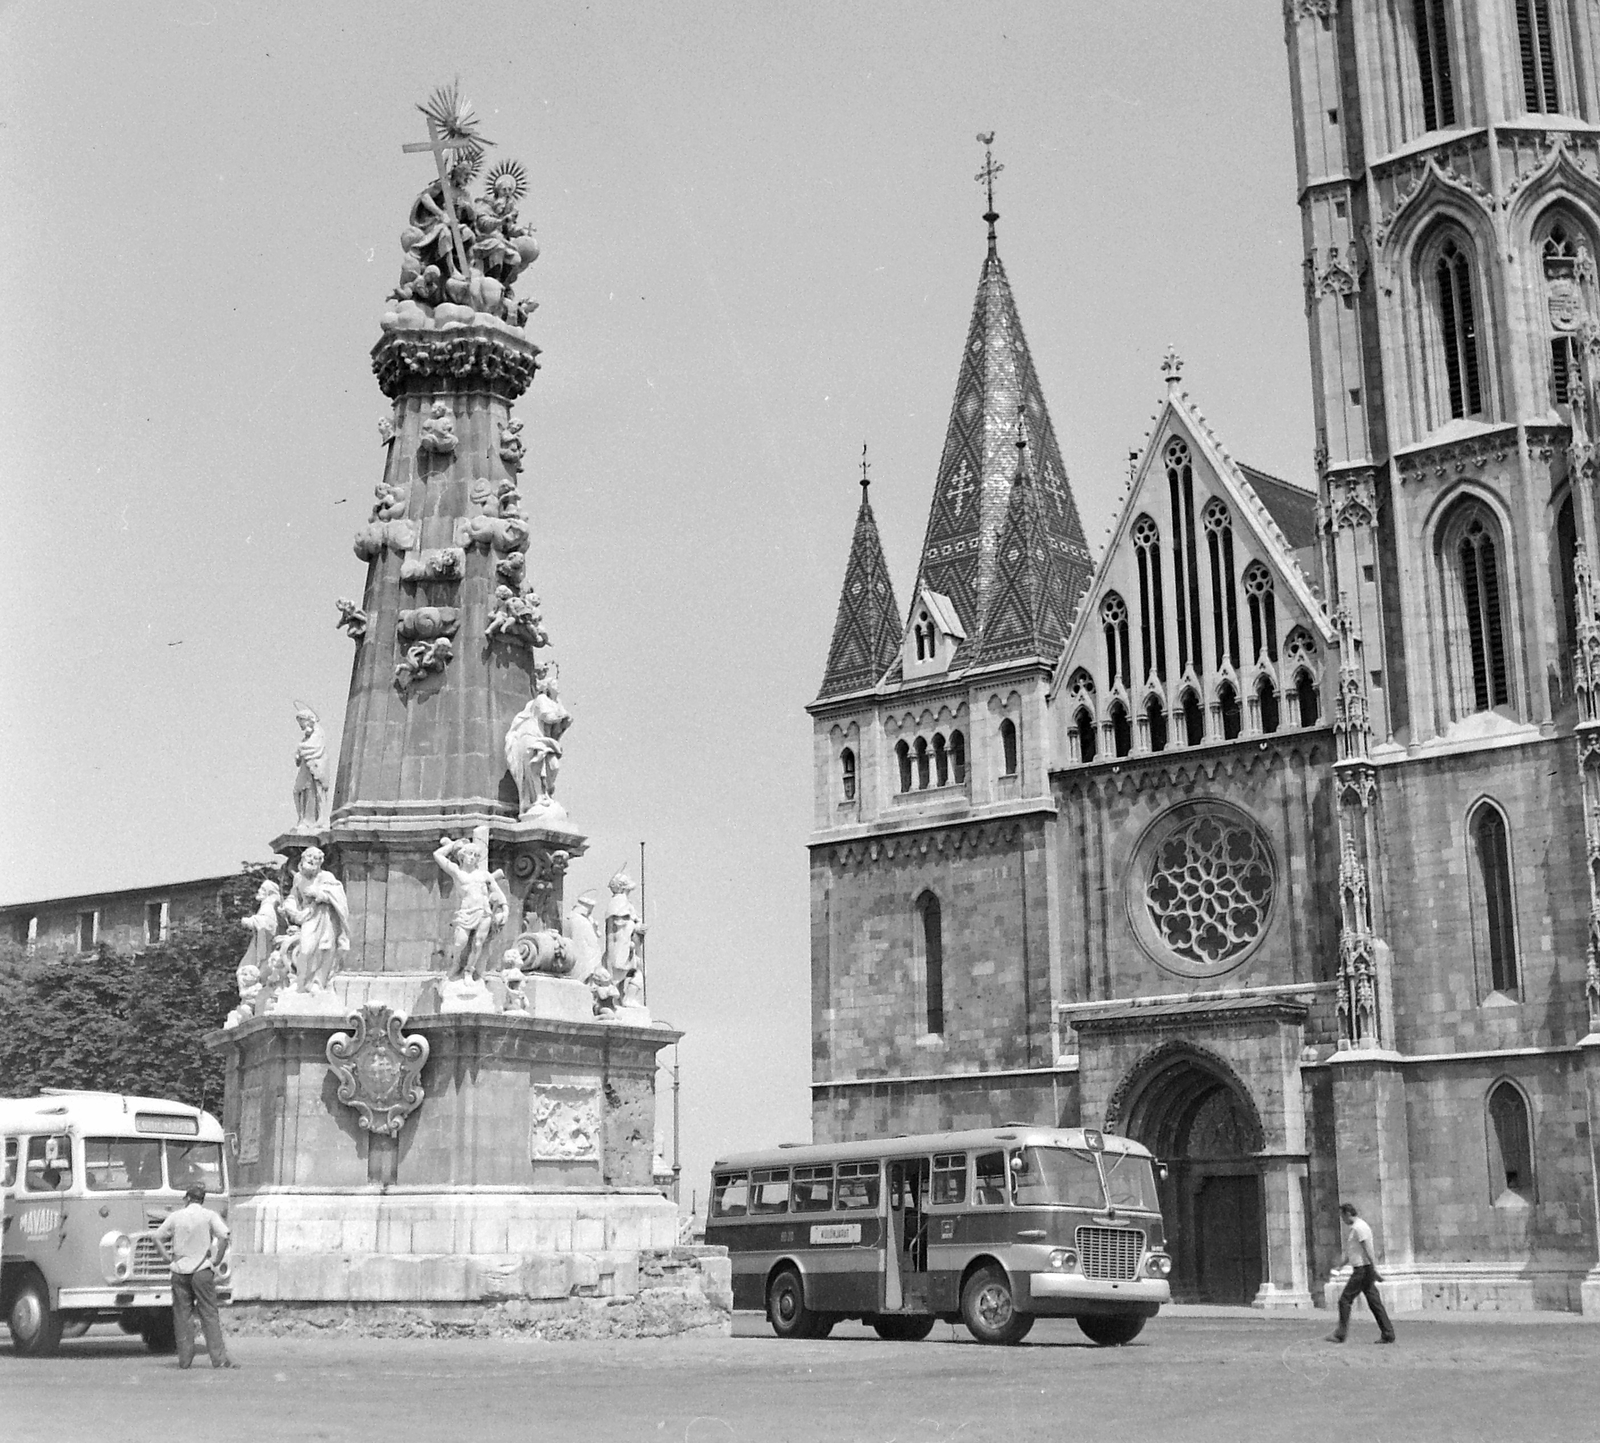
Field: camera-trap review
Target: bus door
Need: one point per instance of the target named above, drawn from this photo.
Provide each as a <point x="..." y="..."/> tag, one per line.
<point x="39" y="1210"/>
<point x="908" y="1231"/>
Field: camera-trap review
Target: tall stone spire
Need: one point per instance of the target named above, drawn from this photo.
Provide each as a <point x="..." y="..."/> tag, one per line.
<point x="962" y="555"/>
<point x="866" y="634"/>
<point x="1024" y="616"/>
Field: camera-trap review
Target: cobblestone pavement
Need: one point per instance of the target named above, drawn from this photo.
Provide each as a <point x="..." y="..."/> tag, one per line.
<point x="1192" y="1376"/>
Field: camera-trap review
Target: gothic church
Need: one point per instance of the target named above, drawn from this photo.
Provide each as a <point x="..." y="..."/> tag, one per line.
<point x="1272" y="836"/>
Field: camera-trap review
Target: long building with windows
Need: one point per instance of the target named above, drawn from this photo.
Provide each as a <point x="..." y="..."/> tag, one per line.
<point x="1267" y="838"/>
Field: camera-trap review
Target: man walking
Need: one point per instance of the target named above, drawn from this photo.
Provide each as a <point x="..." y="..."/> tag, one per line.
<point x="194" y="1239"/>
<point x="1363" y="1277"/>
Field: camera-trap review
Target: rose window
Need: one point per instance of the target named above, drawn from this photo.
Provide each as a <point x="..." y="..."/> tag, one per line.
<point x="1209" y="889"/>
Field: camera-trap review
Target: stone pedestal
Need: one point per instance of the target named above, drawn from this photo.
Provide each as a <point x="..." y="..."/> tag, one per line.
<point x="524" y="1171"/>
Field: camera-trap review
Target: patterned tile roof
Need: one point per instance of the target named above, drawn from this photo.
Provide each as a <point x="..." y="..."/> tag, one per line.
<point x="1024" y="614"/>
<point x="867" y="631"/>
<point x="964" y="554"/>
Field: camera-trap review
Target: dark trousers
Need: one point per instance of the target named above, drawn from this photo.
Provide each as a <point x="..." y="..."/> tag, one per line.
<point x="192" y="1293"/>
<point x="1363" y="1284"/>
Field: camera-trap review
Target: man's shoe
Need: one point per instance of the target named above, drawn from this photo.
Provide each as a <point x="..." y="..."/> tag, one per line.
<point x="229" y="1363"/>
<point x="1389" y="1339"/>
<point x="1334" y="1338"/>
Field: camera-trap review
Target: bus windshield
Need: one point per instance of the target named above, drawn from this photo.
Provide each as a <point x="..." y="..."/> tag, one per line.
<point x="121" y="1164"/>
<point x="1130" y="1182"/>
<point x="1060" y="1176"/>
<point x="189" y="1163"/>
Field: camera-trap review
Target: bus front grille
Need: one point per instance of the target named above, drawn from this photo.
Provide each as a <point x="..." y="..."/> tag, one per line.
<point x="1110" y="1253"/>
<point x="148" y="1264"/>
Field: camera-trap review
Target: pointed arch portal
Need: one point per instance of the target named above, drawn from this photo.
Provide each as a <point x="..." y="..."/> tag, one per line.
<point x="1192" y="1110"/>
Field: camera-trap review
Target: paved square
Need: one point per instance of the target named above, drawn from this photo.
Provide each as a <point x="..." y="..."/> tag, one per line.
<point x="1199" y="1378"/>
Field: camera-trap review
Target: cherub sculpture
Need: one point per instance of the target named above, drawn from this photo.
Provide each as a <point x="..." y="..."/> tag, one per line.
<point x="517" y="618"/>
<point x="481" y="905"/>
<point x="391" y="501"/>
<point x="420" y="659"/>
<point x="511" y="446"/>
<point x="438" y="432"/>
<point x="351" y="617"/>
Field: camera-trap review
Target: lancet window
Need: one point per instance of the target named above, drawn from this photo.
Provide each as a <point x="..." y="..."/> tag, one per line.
<point x="1433" y="64"/>
<point x="847" y="774"/>
<point x="1263" y="609"/>
<point x="1450" y="275"/>
<point x="1194" y="719"/>
<point x="1155" y="720"/>
<point x="931" y="923"/>
<point x="1083" y="738"/>
<point x="919" y="753"/>
<point x="1538" y="56"/>
<point x="1114" y="620"/>
<point x="1230" y="711"/>
<point x="1510" y="1144"/>
<point x="958" y="758"/>
<point x="1563" y="307"/>
<point x="1008" y="747"/>
<point x="902" y="756"/>
<point x="1491" y="852"/>
<point x="1224" y="603"/>
<point x="1300" y="655"/>
<point x="1121" y="730"/>
<point x="941" y="761"/>
<point x="1267" y="704"/>
<point x="1186" y="573"/>
<point x="1152" y="613"/>
<point x="1472" y="567"/>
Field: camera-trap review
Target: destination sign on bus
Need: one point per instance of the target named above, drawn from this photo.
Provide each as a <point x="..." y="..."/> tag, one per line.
<point x="166" y="1122"/>
<point x="822" y="1233"/>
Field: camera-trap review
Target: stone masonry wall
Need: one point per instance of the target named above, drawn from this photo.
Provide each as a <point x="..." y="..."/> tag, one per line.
<point x="936" y="1105"/>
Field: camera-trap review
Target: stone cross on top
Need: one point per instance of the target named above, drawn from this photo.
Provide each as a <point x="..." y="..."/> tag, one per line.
<point x="452" y="131"/>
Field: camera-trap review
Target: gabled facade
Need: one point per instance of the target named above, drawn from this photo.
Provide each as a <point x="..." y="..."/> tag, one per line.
<point x="1282" y="860"/>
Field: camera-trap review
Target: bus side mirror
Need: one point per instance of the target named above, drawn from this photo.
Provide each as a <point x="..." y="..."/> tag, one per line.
<point x="1161" y="1171"/>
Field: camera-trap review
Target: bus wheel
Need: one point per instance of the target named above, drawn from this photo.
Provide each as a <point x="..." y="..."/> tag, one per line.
<point x="1111" y="1332"/>
<point x="35" y="1325"/>
<point x="158" y="1332"/>
<point x="895" y="1329"/>
<point x="989" y="1310"/>
<point x="786" y="1307"/>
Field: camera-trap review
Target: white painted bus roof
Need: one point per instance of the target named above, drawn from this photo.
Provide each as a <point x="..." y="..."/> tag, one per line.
<point x="97" y="1113"/>
<point x="920" y="1144"/>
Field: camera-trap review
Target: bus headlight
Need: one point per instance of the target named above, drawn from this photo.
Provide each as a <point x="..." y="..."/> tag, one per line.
<point x="1157" y="1265"/>
<point x="1063" y="1258"/>
<point x="116" y="1257"/>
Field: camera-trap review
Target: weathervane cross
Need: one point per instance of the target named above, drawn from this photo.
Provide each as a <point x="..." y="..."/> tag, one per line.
<point x="865" y="479"/>
<point x="985" y="177"/>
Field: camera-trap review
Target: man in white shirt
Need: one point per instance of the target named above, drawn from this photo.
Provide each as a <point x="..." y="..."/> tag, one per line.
<point x="194" y="1239"/>
<point x="1363" y="1277"/>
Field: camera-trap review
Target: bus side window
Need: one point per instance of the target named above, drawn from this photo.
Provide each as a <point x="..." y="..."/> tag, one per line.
<point x="949" y="1179"/>
<point x="769" y="1190"/>
<point x="989" y="1184"/>
<point x="813" y="1189"/>
<point x="49" y="1166"/>
<point x="858" y="1186"/>
<point x="732" y="1195"/>
<point x="9" y="1180"/>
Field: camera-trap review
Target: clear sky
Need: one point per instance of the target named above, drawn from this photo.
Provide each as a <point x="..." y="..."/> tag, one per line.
<point x="761" y="241"/>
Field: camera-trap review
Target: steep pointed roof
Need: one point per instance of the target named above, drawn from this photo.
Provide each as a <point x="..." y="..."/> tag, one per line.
<point x="962" y="553"/>
<point x="1024" y="616"/>
<point x="867" y="631"/>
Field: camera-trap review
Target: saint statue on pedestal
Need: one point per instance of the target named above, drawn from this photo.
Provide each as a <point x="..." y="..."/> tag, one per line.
<point x="533" y="742"/>
<point x="311" y="781"/>
<point x="481" y="906"/>
<point x="317" y="905"/>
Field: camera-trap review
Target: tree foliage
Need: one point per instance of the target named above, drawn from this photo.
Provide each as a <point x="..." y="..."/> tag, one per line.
<point x="127" y="1022"/>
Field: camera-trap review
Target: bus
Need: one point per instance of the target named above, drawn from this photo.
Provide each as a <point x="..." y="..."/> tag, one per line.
<point x="993" y="1228"/>
<point x="87" y="1179"/>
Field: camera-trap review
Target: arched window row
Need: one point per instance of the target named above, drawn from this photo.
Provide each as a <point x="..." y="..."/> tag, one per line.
<point x="1278" y="697"/>
<point x="937" y="761"/>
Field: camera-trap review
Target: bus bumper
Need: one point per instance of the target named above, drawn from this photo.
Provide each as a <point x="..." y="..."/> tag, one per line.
<point x="112" y="1300"/>
<point x="1065" y="1294"/>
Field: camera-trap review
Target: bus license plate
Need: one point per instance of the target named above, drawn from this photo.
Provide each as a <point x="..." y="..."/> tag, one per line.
<point x="835" y="1233"/>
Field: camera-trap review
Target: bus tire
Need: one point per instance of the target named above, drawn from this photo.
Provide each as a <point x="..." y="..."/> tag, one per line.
<point x="786" y="1307"/>
<point x="35" y="1325"/>
<point x="1111" y="1332"/>
<point x="989" y="1309"/>
<point x="159" y="1333"/>
<point x="900" y="1329"/>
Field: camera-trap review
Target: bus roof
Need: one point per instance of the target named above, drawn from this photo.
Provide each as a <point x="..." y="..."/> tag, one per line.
<point x="915" y="1144"/>
<point x="110" y="1113"/>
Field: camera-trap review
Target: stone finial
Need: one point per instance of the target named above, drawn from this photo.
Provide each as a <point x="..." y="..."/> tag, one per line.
<point x="1172" y="368"/>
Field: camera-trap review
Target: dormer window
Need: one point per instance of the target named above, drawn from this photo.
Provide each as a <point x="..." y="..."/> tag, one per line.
<point x="932" y="637"/>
